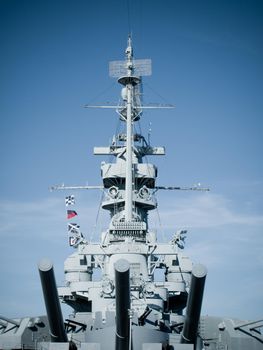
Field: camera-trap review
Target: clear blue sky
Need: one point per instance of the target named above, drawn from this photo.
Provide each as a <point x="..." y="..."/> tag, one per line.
<point x="207" y="59"/>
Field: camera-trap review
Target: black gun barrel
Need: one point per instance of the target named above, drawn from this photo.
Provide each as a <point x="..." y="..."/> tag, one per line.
<point x="8" y="320"/>
<point x="49" y="288"/>
<point x="194" y="303"/>
<point x="122" y="292"/>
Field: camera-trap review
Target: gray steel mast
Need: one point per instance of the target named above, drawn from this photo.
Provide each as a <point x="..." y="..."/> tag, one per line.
<point x="130" y="81"/>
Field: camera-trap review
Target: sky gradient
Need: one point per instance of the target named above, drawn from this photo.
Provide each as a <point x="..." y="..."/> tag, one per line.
<point x="207" y="60"/>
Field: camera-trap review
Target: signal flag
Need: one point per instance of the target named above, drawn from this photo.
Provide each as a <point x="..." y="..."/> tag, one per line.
<point x="71" y="214"/>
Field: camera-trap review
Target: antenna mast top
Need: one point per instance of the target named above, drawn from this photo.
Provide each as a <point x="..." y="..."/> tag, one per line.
<point x="129" y="55"/>
<point x="130" y="67"/>
<point x="129" y="51"/>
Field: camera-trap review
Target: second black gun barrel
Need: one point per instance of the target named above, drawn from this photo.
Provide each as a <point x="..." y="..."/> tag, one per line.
<point x="55" y="318"/>
<point x="194" y="304"/>
<point x="122" y="288"/>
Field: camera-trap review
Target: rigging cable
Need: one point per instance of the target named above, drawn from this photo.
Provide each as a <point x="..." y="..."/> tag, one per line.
<point x="161" y="226"/>
<point x="97" y="217"/>
<point x="109" y="87"/>
<point x="156" y="93"/>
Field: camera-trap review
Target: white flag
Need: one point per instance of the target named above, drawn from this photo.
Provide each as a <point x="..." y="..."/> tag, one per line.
<point x="72" y="241"/>
<point x="73" y="228"/>
<point x="69" y="200"/>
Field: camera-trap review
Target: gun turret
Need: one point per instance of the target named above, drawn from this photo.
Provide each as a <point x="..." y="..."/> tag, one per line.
<point x="55" y="318"/>
<point x="194" y="303"/>
<point x="122" y="287"/>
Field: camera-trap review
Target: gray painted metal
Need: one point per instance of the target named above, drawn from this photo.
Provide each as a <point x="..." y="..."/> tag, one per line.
<point x="128" y="305"/>
<point x="49" y="288"/>
<point x="231" y="334"/>
<point x="25" y="334"/>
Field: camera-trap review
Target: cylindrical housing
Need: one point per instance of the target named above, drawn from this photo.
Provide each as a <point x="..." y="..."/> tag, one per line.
<point x="194" y="303"/>
<point x="49" y="288"/>
<point x="74" y="271"/>
<point x="122" y="290"/>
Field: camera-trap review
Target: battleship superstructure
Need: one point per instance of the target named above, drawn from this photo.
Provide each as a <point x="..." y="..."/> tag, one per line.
<point x="128" y="308"/>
